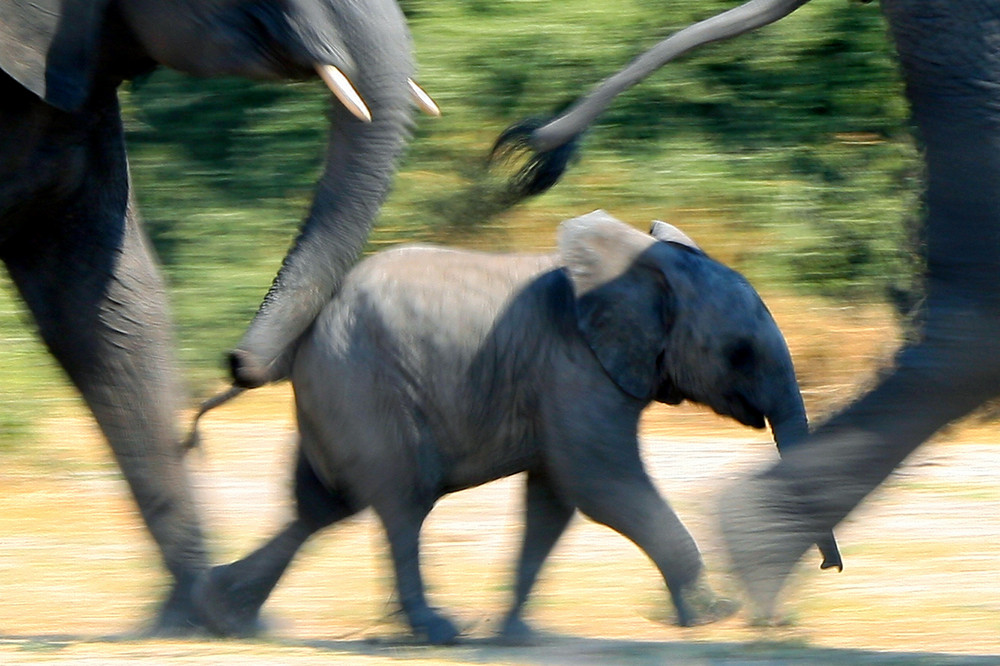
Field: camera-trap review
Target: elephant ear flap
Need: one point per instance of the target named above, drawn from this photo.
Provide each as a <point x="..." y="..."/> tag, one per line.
<point x="623" y="302"/>
<point x="51" y="47"/>
<point x="668" y="233"/>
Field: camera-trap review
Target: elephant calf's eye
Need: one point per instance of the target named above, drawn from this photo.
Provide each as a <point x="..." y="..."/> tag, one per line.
<point x="741" y="355"/>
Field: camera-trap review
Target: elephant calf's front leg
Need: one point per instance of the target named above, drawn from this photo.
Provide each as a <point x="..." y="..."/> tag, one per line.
<point x="623" y="497"/>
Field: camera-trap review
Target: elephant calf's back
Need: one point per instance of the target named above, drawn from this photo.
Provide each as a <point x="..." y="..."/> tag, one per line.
<point x="420" y="298"/>
<point x="403" y="356"/>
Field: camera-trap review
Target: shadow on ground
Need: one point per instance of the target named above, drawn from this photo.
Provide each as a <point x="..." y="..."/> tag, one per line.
<point x="552" y="649"/>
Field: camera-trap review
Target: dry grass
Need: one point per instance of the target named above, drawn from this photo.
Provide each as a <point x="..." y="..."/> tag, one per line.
<point x="78" y="574"/>
<point x="838" y="351"/>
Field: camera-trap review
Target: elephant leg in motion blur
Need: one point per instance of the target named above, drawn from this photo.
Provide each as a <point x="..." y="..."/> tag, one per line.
<point x="546" y="518"/>
<point x="953" y="84"/>
<point x="231" y="595"/>
<point x="70" y="237"/>
<point x="87" y="274"/>
<point x="621" y="496"/>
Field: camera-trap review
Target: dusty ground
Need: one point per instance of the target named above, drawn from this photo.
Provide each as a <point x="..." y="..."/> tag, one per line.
<point x="78" y="575"/>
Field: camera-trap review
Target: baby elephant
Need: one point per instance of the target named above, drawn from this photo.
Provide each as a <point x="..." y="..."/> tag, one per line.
<point x="435" y="369"/>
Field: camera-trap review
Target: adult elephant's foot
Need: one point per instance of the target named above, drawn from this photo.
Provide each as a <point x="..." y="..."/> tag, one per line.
<point x="430" y="626"/>
<point x="226" y="605"/>
<point x="697" y="604"/>
<point x="765" y="535"/>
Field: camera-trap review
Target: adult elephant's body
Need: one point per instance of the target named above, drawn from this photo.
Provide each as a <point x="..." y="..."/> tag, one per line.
<point x="70" y="234"/>
<point x="951" y="65"/>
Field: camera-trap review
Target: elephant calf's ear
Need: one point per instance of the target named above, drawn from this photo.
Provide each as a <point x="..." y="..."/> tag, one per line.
<point x="623" y="302"/>
<point x="668" y="233"/>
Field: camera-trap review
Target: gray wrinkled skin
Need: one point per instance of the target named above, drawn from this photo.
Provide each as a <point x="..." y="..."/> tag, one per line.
<point x="71" y="237"/>
<point x="435" y="369"/>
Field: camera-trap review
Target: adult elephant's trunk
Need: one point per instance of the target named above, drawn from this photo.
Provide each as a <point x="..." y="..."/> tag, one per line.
<point x="791" y="428"/>
<point x="360" y="162"/>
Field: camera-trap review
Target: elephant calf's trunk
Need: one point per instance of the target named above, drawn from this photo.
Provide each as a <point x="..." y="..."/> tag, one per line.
<point x="788" y="433"/>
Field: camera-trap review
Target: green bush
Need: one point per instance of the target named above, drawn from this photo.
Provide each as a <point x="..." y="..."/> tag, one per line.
<point x="786" y="152"/>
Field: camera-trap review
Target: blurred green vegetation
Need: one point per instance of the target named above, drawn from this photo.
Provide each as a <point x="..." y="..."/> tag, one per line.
<point x="785" y="153"/>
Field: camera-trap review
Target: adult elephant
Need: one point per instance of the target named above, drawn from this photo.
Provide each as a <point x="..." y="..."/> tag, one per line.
<point x="951" y="65"/>
<point x="69" y="231"/>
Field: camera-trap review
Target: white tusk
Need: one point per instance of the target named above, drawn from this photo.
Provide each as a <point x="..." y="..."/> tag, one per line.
<point x="423" y="100"/>
<point x="345" y="92"/>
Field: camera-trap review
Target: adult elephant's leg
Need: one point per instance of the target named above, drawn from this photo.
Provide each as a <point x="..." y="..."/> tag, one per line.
<point x="87" y="274"/>
<point x="546" y="518"/>
<point x="770" y="520"/>
<point x="952" y="71"/>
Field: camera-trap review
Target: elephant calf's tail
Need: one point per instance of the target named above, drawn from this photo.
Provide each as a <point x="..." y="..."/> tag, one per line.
<point x="194" y="439"/>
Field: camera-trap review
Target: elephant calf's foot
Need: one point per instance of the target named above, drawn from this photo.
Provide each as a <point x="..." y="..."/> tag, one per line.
<point x="178" y="616"/>
<point x="226" y="607"/>
<point x="516" y="631"/>
<point x="697" y="604"/>
<point x="432" y="627"/>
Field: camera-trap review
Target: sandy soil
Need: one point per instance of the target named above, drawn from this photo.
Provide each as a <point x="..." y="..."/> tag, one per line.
<point x="78" y="576"/>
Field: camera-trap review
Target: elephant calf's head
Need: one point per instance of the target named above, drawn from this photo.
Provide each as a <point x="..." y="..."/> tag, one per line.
<point x="668" y="323"/>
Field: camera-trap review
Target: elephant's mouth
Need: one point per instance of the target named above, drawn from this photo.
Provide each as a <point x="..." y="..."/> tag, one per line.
<point x="743" y="411"/>
<point x="668" y="393"/>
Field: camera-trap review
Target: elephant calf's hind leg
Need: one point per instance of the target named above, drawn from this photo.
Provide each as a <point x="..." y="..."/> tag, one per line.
<point x="402" y="524"/>
<point x="546" y="518"/>
<point x="230" y="596"/>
